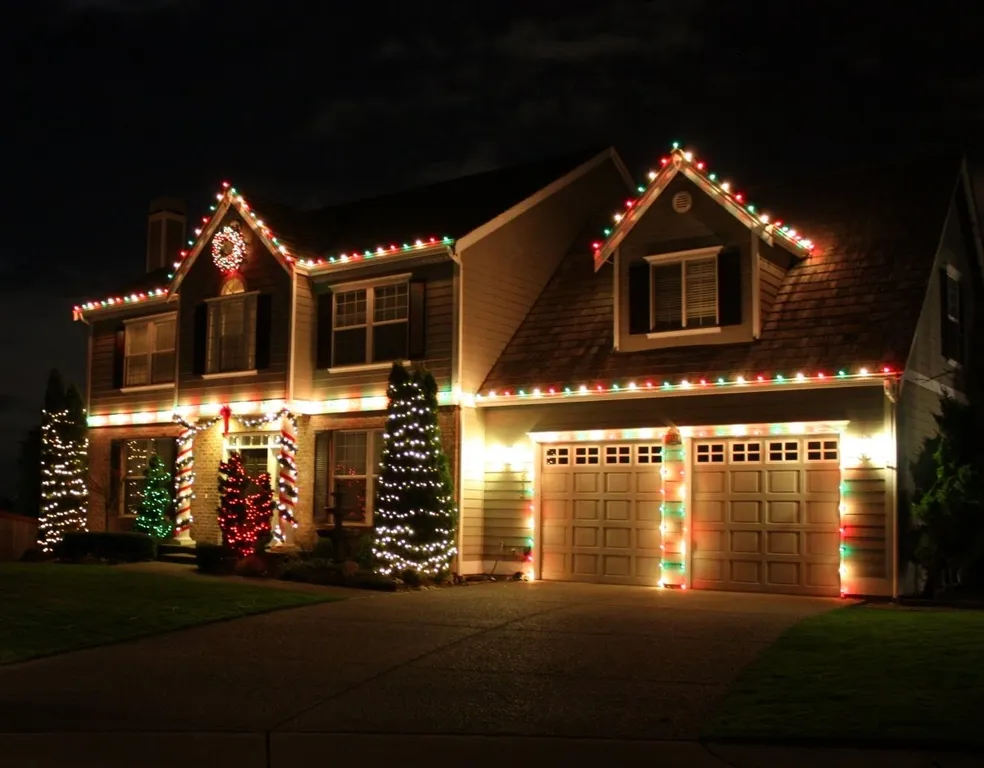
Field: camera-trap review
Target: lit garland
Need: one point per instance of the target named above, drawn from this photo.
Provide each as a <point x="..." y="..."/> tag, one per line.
<point x="287" y="459"/>
<point x="685" y="160"/>
<point x="228" y="248"/>
<point x="673" y="514"/>
<point x="649" y="385"/>
<point x="64" y="496"/>
<point x="415" y="510"/>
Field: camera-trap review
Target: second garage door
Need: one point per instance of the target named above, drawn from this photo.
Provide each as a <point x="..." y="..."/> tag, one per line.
<point x="765" y="514"/>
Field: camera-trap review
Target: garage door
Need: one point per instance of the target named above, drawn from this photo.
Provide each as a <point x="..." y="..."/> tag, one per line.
<point x="764" y="514"/>
<point x="599" y="512"/>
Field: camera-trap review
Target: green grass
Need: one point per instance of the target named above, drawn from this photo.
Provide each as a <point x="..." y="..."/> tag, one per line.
<point x="865" y="673"/>
<point x="48" y="608"/>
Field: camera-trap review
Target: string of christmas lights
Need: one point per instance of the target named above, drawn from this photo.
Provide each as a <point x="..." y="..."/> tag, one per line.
<point x="720" y="382"/>
<point x="686" y="161"/>
<point x="673" y="514"/>
<point x="228" y="248"/>
<point x="392" y="250"/>
<point x="243" y="519"/>
<point x="64" y="495"/>
<point x="415" y="512"/>
<point x="155" y="500"/>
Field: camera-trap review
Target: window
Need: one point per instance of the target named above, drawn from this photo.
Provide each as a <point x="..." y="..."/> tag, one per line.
<point x="951" y="311"/>
<point x="233" y="284"/>
<point x="149" y="356"/>
<point x="618" y="454"/>
<point x="232" y="334"/>
<point x="355" y="465"/>
<point x="710" y="453"/>
<point x="684" y="294"/>
<point x="136" y="457"/>
<point x="783" y="451"/>
<point x="746" y="453"/>
<point x="649" y="454"/>
<point x="587" y="454"/>
<point x="821" y="450"/>
<point x="371" y="325"/>
<point x="558" y="456"/>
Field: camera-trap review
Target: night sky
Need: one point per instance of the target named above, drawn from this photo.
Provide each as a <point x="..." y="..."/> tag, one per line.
<point x="110" y="103"/>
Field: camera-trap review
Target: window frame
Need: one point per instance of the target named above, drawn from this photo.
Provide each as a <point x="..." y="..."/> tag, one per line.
<point x="370" y="323"/>
<point x="126" y="478"/>
<point x="152" y="321"/>
<point x="247" y="298"/>
<point x="372" y="471"/>
<point x="681" y="258"/>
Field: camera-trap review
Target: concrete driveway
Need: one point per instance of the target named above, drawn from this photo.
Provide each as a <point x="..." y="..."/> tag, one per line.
<point x="524" y="659"/>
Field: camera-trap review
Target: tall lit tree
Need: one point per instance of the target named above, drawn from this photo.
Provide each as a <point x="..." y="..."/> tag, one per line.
<point x="64" y="448"/>
<point x="153" y="515"/>
<point x="415" y="513"/>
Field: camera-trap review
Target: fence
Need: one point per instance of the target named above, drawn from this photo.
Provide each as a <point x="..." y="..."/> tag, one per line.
<point x="17" y="534"/>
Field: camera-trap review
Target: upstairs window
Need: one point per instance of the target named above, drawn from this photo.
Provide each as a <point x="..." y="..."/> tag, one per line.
<point x="686" y="292"/>
<point x="149" y="352"/>
<point x="371" y="324"/>
<point x="951" y="315"/>
<point x="232" y="334"/>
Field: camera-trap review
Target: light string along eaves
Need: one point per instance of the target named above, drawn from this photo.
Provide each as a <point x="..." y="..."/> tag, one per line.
<point x="279" y="246"/>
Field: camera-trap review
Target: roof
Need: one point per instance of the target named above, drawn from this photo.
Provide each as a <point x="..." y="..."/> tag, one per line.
<point x="428" y="216"/>
<point x="852" y="305"/>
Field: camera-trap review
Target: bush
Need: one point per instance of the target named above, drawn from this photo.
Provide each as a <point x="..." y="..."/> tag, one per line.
<point x="252" y="566"/>
<point x="34" y="555"/>
<point x="411" y="578"/>
<point x="114" y="547"/>
<point x="215" y="559"/>
<point x="327" y="573"/>
<point x="324" y="549"/>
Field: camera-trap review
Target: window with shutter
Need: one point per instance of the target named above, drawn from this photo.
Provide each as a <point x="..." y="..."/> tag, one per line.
<point x="232" y="334"/>
<point x="684" y="293"/>
<point x="950" y="315"/>
<point x="370" y="324"/>
<point x="149" y="352"/>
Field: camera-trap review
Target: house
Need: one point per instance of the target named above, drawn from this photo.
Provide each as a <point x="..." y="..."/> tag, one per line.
<point x="699" y="395"/>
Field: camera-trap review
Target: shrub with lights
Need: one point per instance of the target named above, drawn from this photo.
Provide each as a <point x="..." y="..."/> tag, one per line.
<point x="154" y="513"/>
<point x="415" y="513"/>
<point x="64" y="450"/>
<point x="244" y="518"/>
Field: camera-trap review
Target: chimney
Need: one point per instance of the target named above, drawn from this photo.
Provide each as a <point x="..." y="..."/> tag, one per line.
<point x="165" y="232"/>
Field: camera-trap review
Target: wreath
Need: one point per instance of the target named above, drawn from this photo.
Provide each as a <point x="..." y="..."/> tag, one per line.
<point x="228" y="249"/>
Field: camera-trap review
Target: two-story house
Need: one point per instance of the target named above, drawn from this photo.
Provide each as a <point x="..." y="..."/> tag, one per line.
<point x="699" y="395"/>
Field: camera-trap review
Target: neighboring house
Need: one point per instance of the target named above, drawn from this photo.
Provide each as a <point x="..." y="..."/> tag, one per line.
<point x="704" y="398"/>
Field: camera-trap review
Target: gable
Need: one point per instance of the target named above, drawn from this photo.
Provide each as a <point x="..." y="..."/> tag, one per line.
<point x="681" y="162"/>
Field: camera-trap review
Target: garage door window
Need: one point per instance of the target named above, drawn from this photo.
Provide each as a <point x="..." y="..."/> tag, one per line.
<point x="783" y="451"/>
<point x="821" y="450"/>
<point x="710" y="453"/>
<point x="558" y="456"/>
<point x="618" y="454"/>
<point x="649" y="454"/>
<point x="746" y="453"/>
<point x="587" y="454"/>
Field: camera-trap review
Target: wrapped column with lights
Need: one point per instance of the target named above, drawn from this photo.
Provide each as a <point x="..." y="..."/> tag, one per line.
<point x="288" y="472"/>
<point x="673" y="514"/>
<point x="185" y="478"/>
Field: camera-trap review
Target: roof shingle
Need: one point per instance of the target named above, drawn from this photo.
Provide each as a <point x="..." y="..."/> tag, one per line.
<point x="854" y="303"/>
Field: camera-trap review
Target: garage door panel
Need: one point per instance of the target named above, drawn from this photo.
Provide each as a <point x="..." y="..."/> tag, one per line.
<point x="772" y="526"/>
<point x="610" y="533"/>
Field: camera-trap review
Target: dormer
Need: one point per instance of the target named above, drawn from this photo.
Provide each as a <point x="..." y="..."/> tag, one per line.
<point x="694" y="265"/>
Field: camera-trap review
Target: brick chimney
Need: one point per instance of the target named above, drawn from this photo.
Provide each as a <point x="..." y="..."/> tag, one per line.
<point x="165" y="232"/>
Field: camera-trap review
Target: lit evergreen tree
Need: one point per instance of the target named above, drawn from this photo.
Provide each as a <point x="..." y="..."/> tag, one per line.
<point x="244" y="520"/>
<point x="64" y="449"/>
<point x="415" y="513"/>
<point x="153" y="516"/>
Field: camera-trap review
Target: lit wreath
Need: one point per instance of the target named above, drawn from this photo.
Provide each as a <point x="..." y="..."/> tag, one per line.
<point x="228" y="249"/>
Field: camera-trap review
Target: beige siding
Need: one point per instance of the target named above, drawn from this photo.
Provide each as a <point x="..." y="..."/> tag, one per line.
<point x="302" y="352"/>
<point x="770" y="280"/>
<point x="472" y="487"/>
<point x="438" y="337"/>
<point x="502" y="274"/>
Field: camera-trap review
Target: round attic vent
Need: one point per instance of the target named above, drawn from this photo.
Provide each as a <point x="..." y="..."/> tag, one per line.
<point x="682" y="202"/>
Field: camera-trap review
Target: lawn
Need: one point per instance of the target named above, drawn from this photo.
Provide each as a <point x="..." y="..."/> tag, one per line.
<point x="49" y="608"/>
<point x="865" y="673"/>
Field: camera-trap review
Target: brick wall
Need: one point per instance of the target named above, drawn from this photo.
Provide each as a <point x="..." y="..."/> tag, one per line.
<point x="104" y="512"/>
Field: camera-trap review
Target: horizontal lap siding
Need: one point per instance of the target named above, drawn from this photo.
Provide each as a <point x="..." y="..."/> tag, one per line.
<point x="472" y="491"/>
<point x="302" y="360"/>
<point x="438" y="339"/>
<point x="865" y="523"/>
<point x="508" y="495"/>
<point x="770" y="280"/>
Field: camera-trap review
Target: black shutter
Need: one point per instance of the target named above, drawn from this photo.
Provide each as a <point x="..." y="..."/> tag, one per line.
<point x="114" y="498"/>
<point x="199" y="347"/>
<point x="961" y="317"/>
<point x="729" y="287"/>
<point x="946" y="330"/>
<point x="322" y="455"/>
<point x="640" y="299"/>
<point x="119" y="357"/>
<point x="323" y="332"/>
<point x="264" y="308"/>
<point x="418" y="320"/>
